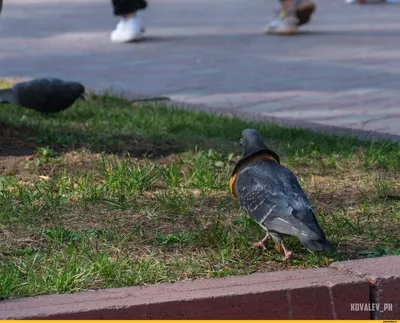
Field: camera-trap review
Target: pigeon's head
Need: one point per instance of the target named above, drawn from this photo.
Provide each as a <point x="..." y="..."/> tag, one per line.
<point x="253" y="143"/>
<point x="76" y="88"/>
<point x="251" y="139"/>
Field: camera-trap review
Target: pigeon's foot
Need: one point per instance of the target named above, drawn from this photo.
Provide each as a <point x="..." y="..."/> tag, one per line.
<point x="287" y="252"/>
<point x="287" y="255"/>
<point x="259" y="244"/>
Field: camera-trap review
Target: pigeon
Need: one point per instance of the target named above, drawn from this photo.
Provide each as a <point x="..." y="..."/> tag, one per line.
<point x="270" y="194"/>
<point x="47" y="95"/>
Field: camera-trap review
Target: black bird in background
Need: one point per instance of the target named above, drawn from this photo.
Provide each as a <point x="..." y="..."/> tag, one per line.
<point x="271" y="195"/>
<point x="45" y="95"/>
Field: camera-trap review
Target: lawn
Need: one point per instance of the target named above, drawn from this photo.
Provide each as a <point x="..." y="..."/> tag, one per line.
<point x="112" y="194"/>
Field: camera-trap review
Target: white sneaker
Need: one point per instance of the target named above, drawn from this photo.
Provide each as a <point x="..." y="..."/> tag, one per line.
<point x="274" y="23"/>
<point x="128" y="29"/>
<point x="139" y="16"/>
<point x="283" y="25"/>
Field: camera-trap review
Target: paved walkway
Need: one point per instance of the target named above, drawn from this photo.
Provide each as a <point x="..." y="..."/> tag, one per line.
<point x="344" y="70"/>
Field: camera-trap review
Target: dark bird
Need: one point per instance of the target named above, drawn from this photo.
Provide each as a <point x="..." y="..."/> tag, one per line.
<point x="270" y="194"/>
<point x="43" y="95"/>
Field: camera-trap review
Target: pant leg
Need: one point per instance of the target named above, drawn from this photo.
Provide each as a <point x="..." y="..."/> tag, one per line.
<point x="124" y="7"/>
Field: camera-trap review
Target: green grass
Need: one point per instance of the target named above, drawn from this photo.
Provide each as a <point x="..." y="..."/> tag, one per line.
<point x="117" y="194"/>
<point x="4" y="84"/>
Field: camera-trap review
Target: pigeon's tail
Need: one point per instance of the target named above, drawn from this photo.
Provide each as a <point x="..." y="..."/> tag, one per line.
<point x="318" y="245"/>
<point x="7" y="96"/>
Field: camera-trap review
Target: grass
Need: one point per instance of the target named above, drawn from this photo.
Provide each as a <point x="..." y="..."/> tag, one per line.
<point x="110" y="194"/>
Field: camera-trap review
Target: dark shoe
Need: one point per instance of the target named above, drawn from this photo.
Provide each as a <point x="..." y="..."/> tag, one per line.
<point x="304" y="11"/>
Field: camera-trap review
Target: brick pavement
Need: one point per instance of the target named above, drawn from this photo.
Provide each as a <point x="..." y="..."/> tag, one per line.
<point x="342" y="71"/>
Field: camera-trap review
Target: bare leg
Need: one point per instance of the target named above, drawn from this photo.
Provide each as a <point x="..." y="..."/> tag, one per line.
<point x="130" y="15"/>
<point x="262" y="242"/>
<point x="288" y="5"/>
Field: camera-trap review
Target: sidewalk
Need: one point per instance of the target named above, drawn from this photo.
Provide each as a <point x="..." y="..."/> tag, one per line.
<point x="343" y="71"/>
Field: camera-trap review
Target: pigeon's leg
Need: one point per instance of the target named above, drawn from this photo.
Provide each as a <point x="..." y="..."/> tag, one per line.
<point x="262" y="242"/>
<point x="279" y="240"/>
<point x="287" y="252"/>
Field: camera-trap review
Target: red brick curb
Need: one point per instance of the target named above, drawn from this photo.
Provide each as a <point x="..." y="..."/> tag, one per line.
<point x="384" y="276"/>
<point x="325" y="293"/>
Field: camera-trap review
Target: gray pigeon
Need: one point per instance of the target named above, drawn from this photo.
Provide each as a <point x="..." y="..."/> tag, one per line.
<point x="43" y="95"/>
<point x="271" y="195"/>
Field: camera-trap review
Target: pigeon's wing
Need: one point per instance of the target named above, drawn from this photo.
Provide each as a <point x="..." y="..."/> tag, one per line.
<point x="271" y="194"/>
<point x="33" y="94"/>
<point x="64" y="93"/>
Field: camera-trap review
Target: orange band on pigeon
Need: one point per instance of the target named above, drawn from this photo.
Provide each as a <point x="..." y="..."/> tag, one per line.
<point x="232" y="180"/>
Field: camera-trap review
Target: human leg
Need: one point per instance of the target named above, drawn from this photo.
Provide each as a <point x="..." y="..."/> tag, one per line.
<point x="286" y="22"/>
<point x="130" y="26"/>
<point x="292" y="14"/>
